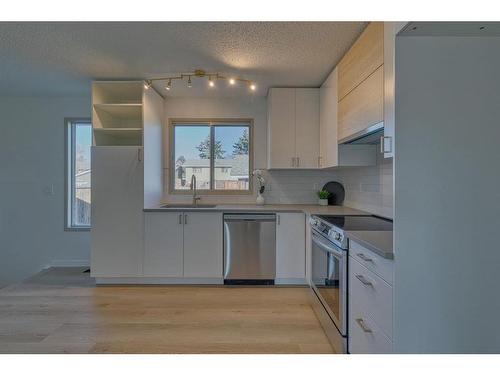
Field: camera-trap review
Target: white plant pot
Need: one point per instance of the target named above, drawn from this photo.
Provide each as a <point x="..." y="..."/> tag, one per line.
<point x="260" y="199"/>
<point x="323" y="202"/>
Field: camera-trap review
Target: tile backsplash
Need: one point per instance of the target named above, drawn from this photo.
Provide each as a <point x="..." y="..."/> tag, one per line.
<point x="367" y="188"/>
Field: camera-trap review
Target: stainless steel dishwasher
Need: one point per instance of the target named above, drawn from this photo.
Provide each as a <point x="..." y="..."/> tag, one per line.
<point x="249" y="249"/>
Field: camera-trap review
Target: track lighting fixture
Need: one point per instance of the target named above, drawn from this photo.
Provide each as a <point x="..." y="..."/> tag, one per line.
<point x="212" y="77"/>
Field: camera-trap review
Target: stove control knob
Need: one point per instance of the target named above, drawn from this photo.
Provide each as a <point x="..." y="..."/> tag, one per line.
<point x="338" y="236"/>
<point x="313" y="222"/>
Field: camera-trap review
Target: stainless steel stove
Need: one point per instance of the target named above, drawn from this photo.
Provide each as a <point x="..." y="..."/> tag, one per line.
<point x="329" y="269"/>
<point x="334" y="227"/>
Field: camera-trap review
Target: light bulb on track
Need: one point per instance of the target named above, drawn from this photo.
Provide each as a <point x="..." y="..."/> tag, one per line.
<point x="189" y="82"/>
<point x="210" y="82"/>
<point x="232" y="81"/>
<point x="147" y="84"/>
<point x="253" y="87"/>
<point x="169" y="84"/>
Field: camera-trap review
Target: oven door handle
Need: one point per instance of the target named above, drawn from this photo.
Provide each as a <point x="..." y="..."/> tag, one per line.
<point x="331" y="249"/>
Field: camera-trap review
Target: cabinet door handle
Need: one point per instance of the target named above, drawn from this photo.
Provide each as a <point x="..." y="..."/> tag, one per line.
<point x="363" y="326"/>
<point x="364" y="257"/>
<point x="185" y="218"/>
<point x="363" y="280"/>
<point x="278" y="219"/>
<point x="139" y="154"/>
<point x="383" y="144"/>
<point x="180" y="218"/>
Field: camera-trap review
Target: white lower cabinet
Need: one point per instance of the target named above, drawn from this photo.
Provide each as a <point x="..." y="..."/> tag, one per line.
<point x="203" y="244"/>
<point x="183" y="245"/>
<point x="370" y="301"/>
<point x="290" y="248"/>
<point x="163" y="244"/>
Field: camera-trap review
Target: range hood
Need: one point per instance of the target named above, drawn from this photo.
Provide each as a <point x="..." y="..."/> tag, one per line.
<point x="369" y="136"/>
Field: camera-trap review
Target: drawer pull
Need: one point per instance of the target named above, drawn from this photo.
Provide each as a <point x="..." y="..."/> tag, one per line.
<point x="363" y="326"/>
<point x="364" y="257"/>
<point x="363" y="280"/>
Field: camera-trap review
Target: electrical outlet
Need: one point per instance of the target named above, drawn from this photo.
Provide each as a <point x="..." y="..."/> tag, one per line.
<point x="49" y="190"/>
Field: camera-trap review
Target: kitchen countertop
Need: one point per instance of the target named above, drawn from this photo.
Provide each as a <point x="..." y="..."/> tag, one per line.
<point x="305" y="208"/>
<point x="380" y="242"/>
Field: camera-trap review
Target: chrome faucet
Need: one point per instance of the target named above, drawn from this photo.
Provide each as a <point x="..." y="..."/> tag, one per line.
<point x="193" y="188"/>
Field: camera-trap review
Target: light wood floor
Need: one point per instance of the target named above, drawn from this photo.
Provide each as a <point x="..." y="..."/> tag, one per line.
<point x="61" y="311"/>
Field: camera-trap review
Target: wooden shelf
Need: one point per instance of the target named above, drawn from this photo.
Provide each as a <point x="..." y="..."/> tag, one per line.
<point x="118" y="115"/>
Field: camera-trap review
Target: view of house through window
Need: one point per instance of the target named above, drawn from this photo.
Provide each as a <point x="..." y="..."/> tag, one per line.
<point x="216" y="153"/>
<point x="79" y="140"/>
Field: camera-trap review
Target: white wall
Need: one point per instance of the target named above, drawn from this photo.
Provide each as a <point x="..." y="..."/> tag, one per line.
<point x="32" y="158"/>
<point x="447" y="207"/>
<point x="203" y="107"/>
<point x="367" y="188"/>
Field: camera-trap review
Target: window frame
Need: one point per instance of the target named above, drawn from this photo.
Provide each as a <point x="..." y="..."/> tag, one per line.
<point x="211" y="123"/>
<point x="69" y="178"/>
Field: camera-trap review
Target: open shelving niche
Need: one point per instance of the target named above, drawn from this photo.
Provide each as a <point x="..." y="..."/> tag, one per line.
<point x="117" y="113"/>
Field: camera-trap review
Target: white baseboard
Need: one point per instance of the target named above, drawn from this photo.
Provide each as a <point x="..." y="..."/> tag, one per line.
<point x="158" y="281"/>
<point x="70" y="263"/>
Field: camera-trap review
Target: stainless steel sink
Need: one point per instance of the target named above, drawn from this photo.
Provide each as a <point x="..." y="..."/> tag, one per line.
<point x="199" y="205"/>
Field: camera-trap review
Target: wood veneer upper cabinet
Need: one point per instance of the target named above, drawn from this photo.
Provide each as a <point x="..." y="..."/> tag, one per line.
<point x="364" y="57"/>
<point x="363" y="107"/>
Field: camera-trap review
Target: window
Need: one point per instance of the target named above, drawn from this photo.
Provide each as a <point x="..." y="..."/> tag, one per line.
<point x="78" y="173"/>
<point x="217" y="153"/>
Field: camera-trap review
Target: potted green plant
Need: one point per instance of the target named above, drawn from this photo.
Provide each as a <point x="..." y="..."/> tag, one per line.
<point x="323" y="196"/>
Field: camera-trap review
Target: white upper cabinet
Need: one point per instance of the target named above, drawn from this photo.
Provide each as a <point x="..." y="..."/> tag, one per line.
<point x="293" y="128"/>
<point x="281" y="128"/>
<point x="328" y="121"/>
<point x="307" y="128"/>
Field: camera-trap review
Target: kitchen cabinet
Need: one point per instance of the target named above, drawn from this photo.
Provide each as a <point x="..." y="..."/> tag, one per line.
<point x="203" y="244"/>
<point x="307" y="128"/>
<point x="331" y="153"/>
<point x="117" y="217"/>
<point x="163" y="244"/>
<point x="370" y="301"/>
<point x="183" y="245"/>
<point x="328" y="147"/>
<point x="390" y="31"/>
<point x="290" y="248"/>
<point x="364" y="57"/>
<point x="362" y="107"/>
<point x="293" y="128"/>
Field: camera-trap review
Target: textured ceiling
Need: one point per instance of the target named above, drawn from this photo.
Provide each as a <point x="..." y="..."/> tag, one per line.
<point x="63" y="58"/>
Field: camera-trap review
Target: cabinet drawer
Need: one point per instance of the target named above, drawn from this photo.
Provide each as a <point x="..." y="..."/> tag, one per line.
<point x="365" y="336"/>
<point x="381" y="266"/>
<point x="372" y="294"/>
